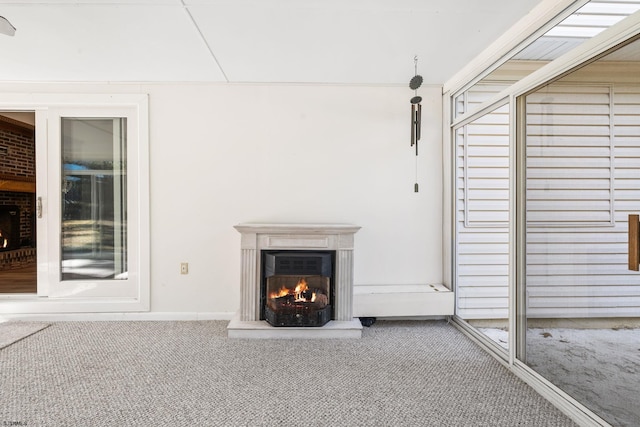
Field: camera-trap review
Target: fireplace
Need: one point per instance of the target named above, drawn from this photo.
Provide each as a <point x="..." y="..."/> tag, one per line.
<point x="282" y="266"/>
<point x="296" y="288"/>
<point x="9" y="228"/>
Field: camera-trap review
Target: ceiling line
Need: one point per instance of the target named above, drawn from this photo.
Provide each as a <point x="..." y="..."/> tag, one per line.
<point x="213" y="55"/>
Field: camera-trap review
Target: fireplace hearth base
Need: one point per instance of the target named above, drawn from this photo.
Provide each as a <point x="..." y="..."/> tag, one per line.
<point x="261" y="329"/>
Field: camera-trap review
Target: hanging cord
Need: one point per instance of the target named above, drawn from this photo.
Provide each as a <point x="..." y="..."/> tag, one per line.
<point x="415" y="92"/>
<point x="415" y="187"/>
<point x="415" y="72"/>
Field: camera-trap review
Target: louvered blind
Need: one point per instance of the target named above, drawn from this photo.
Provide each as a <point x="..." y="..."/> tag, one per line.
<point x="485" y="162"/>
<point x="574" y="270"/>
<point x="482" y="177"/>
<point x="570" y="156"/>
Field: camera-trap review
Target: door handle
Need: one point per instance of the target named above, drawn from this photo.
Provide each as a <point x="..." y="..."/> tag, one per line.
<point x="39" y="207"/>
<point x="634" y="242"/>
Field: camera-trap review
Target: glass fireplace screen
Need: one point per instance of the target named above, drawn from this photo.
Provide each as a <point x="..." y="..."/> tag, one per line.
<point x="297" y="288"/>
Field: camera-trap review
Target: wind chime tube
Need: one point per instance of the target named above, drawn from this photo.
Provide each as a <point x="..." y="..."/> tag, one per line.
<point x="413" y="129"/>
<point x="418" y="122"/>
<point x="418" y="125"/>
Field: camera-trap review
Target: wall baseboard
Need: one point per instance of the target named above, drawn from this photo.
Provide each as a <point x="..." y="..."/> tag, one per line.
<point x="147" y="316"/>
<point x="384" y="301"/>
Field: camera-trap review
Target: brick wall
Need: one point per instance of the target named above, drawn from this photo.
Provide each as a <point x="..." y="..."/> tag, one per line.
<point x="17" y="151"/>
<point x="17" y="259"/>
<point x="17" y="161"/>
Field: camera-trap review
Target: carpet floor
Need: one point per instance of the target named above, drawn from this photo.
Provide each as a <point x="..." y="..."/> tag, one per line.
<point x="11" y="332"/>
<point x="401" y="373"/>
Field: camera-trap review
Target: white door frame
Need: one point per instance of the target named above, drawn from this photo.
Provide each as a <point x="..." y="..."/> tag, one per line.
<point x="44" y="106"/>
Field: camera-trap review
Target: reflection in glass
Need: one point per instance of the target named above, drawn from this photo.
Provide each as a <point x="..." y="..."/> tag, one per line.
<point x="482" y="176"/>
<point x="582" y="25"/>
<point x="582" y="182"/>
<point x="94" y="194"/>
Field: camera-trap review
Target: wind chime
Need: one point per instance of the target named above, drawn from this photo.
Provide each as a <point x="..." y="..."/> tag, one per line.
<point x="416" y="114"/>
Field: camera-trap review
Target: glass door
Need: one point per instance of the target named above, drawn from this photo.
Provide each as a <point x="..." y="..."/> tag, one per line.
<point x="93" y="199"/>
<point x="88" y="205"/>
<point x="580" y="302"/>
<point x="482" y="225"/>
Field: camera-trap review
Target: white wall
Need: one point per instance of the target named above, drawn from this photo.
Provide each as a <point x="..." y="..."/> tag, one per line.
<point x="226" y="154"/>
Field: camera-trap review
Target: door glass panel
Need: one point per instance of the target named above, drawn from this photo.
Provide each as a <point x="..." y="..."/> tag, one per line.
<point x="18" y="203"/>
<point x="482" y="225"/>
<point x="582" y="304"/>
<point x="94" y="199"/>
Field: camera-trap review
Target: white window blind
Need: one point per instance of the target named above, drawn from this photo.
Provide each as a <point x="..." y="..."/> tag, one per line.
<point x="570" y="156"/>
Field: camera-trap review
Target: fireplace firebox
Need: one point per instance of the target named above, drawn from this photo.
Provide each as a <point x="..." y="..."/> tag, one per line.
<point x="9" y="227"/>
<point x="296" y="287"/>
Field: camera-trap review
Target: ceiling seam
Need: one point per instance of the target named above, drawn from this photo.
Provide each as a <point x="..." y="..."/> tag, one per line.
<point x="213" y="55"/>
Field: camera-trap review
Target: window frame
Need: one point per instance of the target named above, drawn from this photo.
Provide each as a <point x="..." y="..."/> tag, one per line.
<point x="616" y="36"/>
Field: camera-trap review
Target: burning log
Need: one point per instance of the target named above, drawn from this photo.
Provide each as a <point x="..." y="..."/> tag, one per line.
<point x="289" y="303"/>
<point x="322" y="300"/>
<point x="299" y="305"/>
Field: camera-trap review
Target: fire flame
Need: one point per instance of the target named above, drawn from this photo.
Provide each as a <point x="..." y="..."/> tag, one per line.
<point x="4" y="242"/>
<point x="283" y="292"/>
<point x="300" y="289"/>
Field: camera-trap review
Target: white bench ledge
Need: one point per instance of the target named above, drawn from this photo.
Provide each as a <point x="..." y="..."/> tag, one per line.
<point x="402" y="300"/>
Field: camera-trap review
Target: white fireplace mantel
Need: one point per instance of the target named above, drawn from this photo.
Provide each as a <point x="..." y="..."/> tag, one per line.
<point x="258" y="237"/>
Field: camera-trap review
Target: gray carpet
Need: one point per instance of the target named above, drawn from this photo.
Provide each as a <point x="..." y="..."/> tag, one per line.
<point x="11" y="332"/>
<point x="190" y="374"/>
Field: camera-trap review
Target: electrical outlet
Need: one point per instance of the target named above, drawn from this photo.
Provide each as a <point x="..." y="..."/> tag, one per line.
<point x="184" y="268"/>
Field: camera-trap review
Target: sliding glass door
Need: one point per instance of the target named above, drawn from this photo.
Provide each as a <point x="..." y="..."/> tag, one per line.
<point x="580" y="303"/>
<point x="87" y="213"/>
<point x="89" y="207"/>
<point x="482" y="222"/>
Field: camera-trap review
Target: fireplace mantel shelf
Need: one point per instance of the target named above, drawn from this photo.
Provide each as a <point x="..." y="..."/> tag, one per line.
<point x="285" y="228"/>
<point x="17" y="186"/>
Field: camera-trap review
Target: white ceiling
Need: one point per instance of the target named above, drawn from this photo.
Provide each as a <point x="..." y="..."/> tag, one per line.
<point x="316" y="41"/>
